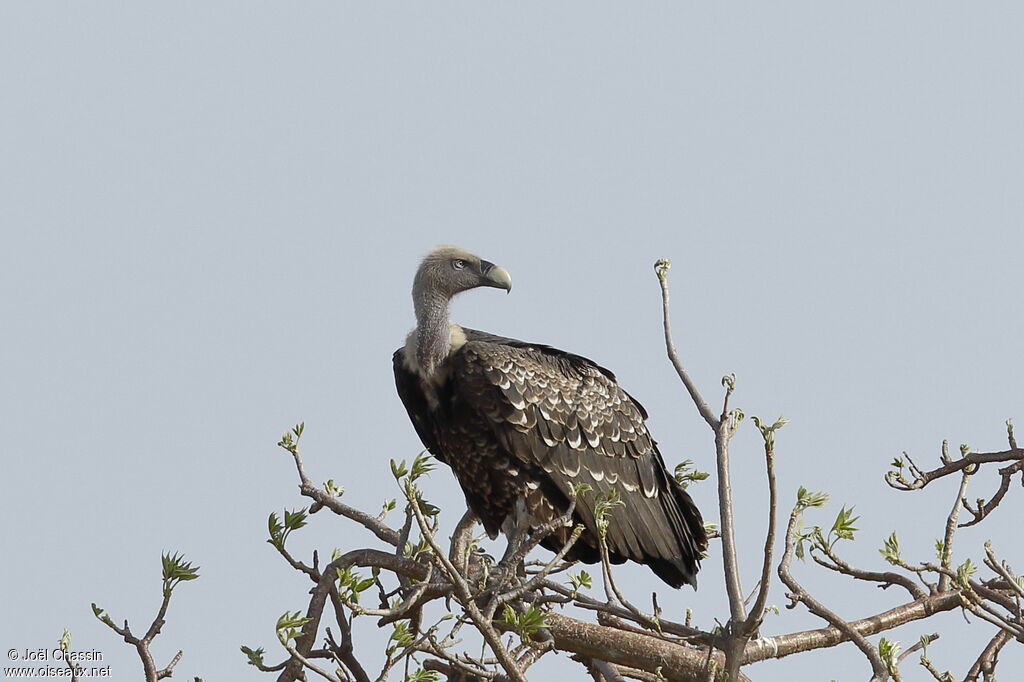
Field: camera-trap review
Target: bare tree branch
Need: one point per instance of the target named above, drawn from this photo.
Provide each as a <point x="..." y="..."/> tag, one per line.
<point x="723" y="433"/>
<point x="661" y="268"/>
<point x="986" y="661"/>
<point x="757" y="612"/>
<point x="984" y="509"/>
<point x="923" y="478"/>
<point x="879" y="671"/>
<point x="175" y="571"/>
<point x="322" y="498"/>
<point x="951" y="526"/>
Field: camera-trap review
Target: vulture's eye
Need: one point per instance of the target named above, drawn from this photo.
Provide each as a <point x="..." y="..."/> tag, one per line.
<point x="458" y="264"/>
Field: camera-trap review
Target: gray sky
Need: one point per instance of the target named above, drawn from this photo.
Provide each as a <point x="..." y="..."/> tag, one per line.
<point x="211" y="215"/>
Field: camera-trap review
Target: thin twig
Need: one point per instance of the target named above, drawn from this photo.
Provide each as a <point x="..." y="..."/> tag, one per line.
<point x="983" y="510"/>
<point x="918" y="646"/>
<point x="884" y="578"/>
<point x="322" y="499"/>
<point x="1002" y="569"/>
<point x="345" y="651"/>
<point x="614" y="594"/>
<point x="542" y="575"/>
<point x="730" y="562"/>
<point x="879" y="671"/>
<point x="951" y="526"/>
<point x="483" y="625"/>
<point x="661" y="268"/>
<point x="753" y="621"/>
<point x="151" y="672"/>
<point x="367" y="558"/>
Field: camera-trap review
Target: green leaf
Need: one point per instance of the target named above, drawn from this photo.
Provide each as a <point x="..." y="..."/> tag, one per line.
<point x="579" y="489"/>
<point x="289" y="626"/>
<point x="399" y="469"/>
<point x="255" y="656"/>
<point x="293" y="520"/>
<point x="734" y="417"/>
<point x="806" y="499"/>
<point x="661" y="268"/>
<point x="275" y="528"/>
<point x="402" y="635"/>
<point x="888" y="652"/>
<point x="351" y="584"/>
<point x="817" y="539"/>
<point x="925" y="641"/>
<point x="580" y="580"/>
<point x="425" y="507"/>
<point x="891" y="549"/>
<point x="964" y="572"/>
<point x="65" y="640"/>
<point x="421" y="466"/>
<point x="411" y="551"/>
<point x="603" y="506"/>
<point x="525" y="624"/>
<point x="843" y="527"/>
<point x="176" y="570"/>
<point x="812" y="536"/>
<point x="686" y="474"/>
<point x="101" y="616"/>
<point x="768" y="432"/>
<point x="421" y="675"/>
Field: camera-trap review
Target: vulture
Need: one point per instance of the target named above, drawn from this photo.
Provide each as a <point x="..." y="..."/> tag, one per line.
<point x="520" y="423"/>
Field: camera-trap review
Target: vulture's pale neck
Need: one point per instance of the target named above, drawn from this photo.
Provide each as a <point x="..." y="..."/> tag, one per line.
<point x="433" y="333"/>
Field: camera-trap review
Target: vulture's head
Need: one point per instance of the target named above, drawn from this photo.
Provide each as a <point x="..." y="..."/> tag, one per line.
<point x="448" y="270"/>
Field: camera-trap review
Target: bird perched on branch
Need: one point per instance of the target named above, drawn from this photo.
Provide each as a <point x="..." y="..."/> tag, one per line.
<point x="521" y="423"/>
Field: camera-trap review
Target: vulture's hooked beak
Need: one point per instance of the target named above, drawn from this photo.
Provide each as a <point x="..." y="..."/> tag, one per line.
<point x="496" y="276"/>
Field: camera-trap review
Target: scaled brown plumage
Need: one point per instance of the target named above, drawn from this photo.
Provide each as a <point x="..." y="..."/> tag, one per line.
<point x="521" y="423"/>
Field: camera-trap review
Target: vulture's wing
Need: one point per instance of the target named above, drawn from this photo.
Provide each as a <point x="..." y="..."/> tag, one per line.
<point x="569" y="416"/>
<point x="408" y="385"/>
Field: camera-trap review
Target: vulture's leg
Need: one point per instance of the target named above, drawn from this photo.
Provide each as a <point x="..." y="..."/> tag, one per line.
<point x="516" y="528"/>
